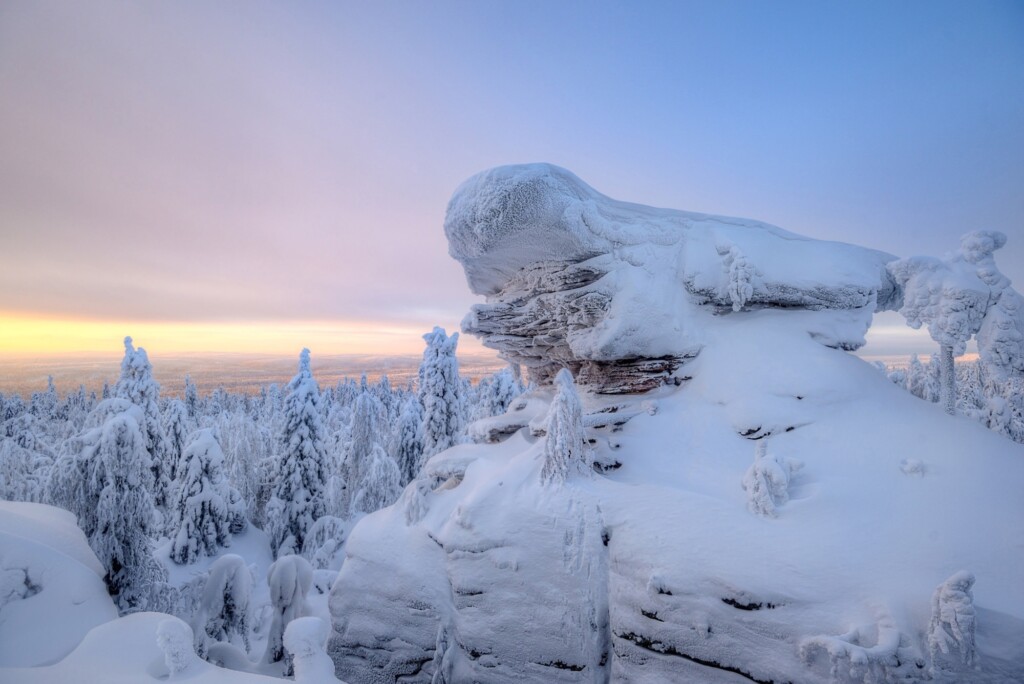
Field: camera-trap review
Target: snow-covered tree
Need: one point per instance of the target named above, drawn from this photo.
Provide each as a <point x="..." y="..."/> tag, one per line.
<point x="202" y="515"/>
<point x="950" y="301"/>
<point x="224" y="613"/>
<point x="301" y="477"/>
<point x="565" y="445"/>
<point x="408" y="440"/>
<point x="324" y="540"/>
<point x="414" y="501"/>
<point x="740" y="274"/>
<point x="767" y="481"/>
<point x="306" y="641"/>
<point x="440" y="392"/>
<point x="289" y="578"/>
<point x="191" y="398"/>
<point x="447" y="655"/>
<point x="177" y="430"/>
<point x="124" y="512"/>
<point x="961" y="297"/>
<point x="136" y="384"/>
<point x="25" y="459"/>
<point x="174" y="638"/>
<point x="1001" y="336"/>
<point x="952" y="626"/>
<point x="373" y="477"/>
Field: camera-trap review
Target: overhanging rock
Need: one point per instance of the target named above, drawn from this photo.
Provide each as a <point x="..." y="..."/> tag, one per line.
<point x="616" y="291"/>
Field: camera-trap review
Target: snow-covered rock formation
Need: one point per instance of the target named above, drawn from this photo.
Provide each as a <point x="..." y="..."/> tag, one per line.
<point x="652" y="568"/>
<point x="609" y="289"/>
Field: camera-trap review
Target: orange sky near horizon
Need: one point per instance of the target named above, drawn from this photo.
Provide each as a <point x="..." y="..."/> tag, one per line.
<point x="26" y="335"/>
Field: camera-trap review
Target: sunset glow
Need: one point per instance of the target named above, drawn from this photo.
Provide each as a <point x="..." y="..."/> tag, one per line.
<point x="28" y="335"/>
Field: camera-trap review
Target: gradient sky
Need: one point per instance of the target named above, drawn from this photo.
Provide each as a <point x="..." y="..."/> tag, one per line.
<point x="255" y="174"/>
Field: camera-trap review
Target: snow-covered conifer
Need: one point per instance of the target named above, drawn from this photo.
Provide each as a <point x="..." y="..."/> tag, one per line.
<point x="191" y="398"/>
<point x="301" y="477"/>
<point x="289" y="578"/>
<point x="136" y="384"/>
<point x="373" y="478"/>
<point x="177" y="430"/>
<point x="565" y="444"/>
<point x="124" y="512"/>
<point x="440" y="391"/>
<point x="201" y="516"/>
<point x="1001" y="336"/>
<point x="740" y="274"/>
<point x="44" y="404"/>
<point x="408" y="440"/>
<point x="224" y="613"/>
<point x="952" y="626"/>
<point x="306" y="641"/>
<point x="174" y="638"/>
<point x="767" y="481"/>
<point x="960" y="297"/>
<point x="446" y="656"/>
<point x="323" y="541"/>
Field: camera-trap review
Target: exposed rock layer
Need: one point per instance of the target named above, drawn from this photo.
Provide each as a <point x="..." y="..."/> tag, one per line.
<point x="608" y="289"/>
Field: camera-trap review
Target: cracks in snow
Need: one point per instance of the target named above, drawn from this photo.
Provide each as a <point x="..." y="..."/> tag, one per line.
<point x="661" y="648"/>
<point x="16" y="584"/>
<point x="750" y="605"/>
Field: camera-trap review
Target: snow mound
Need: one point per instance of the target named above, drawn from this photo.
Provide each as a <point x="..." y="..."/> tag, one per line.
<point x="609" y="289"/>
<point x="142" y="647"/>
<point x="653" y="568"/>
<point x="46" y="569"/>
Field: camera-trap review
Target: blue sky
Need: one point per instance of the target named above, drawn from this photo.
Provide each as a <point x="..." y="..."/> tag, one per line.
<point x="286" y="163"/>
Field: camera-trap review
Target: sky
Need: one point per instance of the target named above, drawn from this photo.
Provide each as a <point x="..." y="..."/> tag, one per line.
<point x="261" y="176"/>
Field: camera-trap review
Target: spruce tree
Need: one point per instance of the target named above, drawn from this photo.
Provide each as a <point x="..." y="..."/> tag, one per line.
<point x="440" y="393"/>
<point x="373" y="477"/>
<point x="124" y="512"/>
<point x="202" y="515"/>
<point x="565" y="444"/>
<point x="136" y="384"/>
<point x="408" y="440"/>
<point x="301" y="479"/>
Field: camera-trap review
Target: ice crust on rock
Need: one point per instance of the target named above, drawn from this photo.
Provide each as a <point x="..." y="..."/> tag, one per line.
<point x="608" y="289"/>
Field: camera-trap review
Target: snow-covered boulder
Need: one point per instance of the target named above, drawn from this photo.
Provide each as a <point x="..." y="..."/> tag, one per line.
<point x="608" y="289"/>
<point x="136" y="649"/>
<point x="51" y="585"/>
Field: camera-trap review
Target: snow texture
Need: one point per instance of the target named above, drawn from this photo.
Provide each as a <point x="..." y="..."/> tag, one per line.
<point x="609" y="289"/>
<point x="951" y="631"/>
<point x="305" y="639"/>
<point x="175" y="639"/>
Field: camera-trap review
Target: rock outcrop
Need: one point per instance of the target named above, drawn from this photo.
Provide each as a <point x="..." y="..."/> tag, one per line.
<point x="610" y="290"/>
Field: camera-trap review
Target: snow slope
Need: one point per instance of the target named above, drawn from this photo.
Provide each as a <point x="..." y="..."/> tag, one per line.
<point x="689" y="575"/>
<point x="771" y="509"/>
<point x="46" y="570"/>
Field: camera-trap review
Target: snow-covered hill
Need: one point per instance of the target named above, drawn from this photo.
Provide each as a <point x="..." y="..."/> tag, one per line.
<point x="773" y="510"/>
